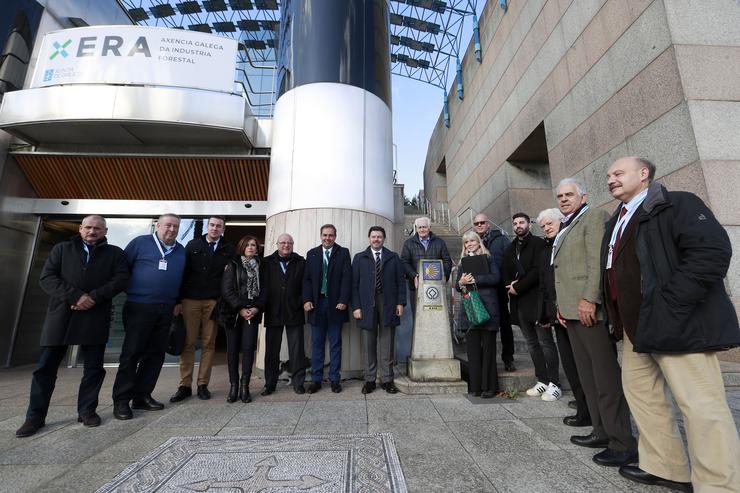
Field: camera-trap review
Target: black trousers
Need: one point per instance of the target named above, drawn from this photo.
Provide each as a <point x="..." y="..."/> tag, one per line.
<point x="507" y="334"/>
<point x="570" y="369"/>
<point x="482" y="372"/>
<point x="242" y="338"/>
<point x="147" y="328"/>
<point x="296" y="354"/>
<point x="45" y="377"/>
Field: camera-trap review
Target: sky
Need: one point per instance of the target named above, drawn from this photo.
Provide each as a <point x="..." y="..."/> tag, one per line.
<point x="416" y="108"/>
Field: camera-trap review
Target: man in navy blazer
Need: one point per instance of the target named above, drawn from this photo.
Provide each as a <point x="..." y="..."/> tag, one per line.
<point x="378" y="298"/>
<point x="327" y="288"/>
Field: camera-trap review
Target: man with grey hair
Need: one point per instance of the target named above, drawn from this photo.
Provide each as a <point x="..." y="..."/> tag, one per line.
<point x="157" y="265"/>
<point x="575" y="260"/>
<point x="423" y="245"/>
<point x="81" y="277"/>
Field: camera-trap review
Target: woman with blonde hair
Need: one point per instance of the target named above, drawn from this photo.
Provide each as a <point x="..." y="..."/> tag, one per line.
<point x="481" y="274"/>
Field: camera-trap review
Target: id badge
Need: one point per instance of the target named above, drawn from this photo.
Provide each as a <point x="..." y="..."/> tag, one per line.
<point x="163" y="264"/>
<point x="609" y="257"/>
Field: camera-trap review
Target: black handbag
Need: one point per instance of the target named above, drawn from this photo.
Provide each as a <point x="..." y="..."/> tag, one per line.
<point x="176" y="339"/>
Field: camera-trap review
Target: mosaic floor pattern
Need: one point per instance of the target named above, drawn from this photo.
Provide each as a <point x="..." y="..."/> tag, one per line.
<point x="315" y="464"/>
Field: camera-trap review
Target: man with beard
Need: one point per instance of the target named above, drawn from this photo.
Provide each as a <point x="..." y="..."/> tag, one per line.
<point x="575" y="260"/>
<point x="496" y="243"/>
<point x="81" y="276"/>
<point x="522" y="279"/>
<point x="675" y="315"/>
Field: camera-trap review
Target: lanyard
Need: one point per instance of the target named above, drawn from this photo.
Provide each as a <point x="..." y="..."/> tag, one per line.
<point x="557" y="238"/>
<point x="159" y="246"/>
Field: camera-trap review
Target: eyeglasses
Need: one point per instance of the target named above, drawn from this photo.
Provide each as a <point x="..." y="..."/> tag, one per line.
<point x="479" y="223"/>
<point x="283" y="243"/>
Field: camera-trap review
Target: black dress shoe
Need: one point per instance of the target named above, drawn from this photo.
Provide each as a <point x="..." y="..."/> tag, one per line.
<point x="203" y="392"/>
<point x="389" y="387"/>
<point x="576" y="421"/>
<point x="591" y="441"/>
<point x="299" y="389"/>
<point x="475" y="394"/>
<point x="336" y="387"/>
<point x="121" y="410"/>
<point x="573" y="405"/>
<point x="91" y="420"/>
<point x="509" y="366"/>
<point x="30" y="427"/>
<point x="269" y="389"/>
<point x="636" y="474"/>
<point x="314" y="387"/>
<point x="233" y="393"/>
<point x="368" y="387"/>
<point x="181" y="394"/>
<point x="488" y="394"/>
<point x="147" y="404"/>
<point x="614" y="458"/>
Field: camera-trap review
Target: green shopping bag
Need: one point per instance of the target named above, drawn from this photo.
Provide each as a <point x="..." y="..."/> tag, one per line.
<point x="474" y="308"/>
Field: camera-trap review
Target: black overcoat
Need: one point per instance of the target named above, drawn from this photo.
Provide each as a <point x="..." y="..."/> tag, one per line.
<point x="413" y="251"/>
<point x="486" y="284"/>
<point x="363" y="287"/>
<point x="338" y="282"/>
<point x="234" y="296"/>
<point x="66" y="276"/>
<point x="203" y="269"/>
<point x="526" y="271"/>
<point x="281" y="294"/>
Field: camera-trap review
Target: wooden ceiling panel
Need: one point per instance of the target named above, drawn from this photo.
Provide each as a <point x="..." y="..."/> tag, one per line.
<point x="145" y="177"/>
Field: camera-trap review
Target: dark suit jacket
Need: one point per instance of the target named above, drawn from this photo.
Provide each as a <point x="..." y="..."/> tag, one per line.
<point x="280" y="293"/>
<point x="338" y="282"/>
<point x="363" y="287"/>
<point x="623" y="313"/>
<point x="527" y="273"/>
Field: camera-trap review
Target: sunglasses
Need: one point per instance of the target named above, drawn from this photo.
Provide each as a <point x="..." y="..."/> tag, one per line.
<point x="479" y="223"/>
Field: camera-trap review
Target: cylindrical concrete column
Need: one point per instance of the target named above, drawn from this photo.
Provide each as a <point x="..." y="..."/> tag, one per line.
<point x="332" y="159"/>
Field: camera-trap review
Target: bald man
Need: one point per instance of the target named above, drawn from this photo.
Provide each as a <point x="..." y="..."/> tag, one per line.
<point x="281" y="293"/>
<point x="675" y="315"/>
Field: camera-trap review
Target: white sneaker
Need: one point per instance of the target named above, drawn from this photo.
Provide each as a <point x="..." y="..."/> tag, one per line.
<point x="538" y="389"/>
<point x="552" y="393"/>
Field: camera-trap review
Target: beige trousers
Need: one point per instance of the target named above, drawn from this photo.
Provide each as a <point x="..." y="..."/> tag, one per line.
<point x="696" y="384"/>
<point x="197" y="317"/>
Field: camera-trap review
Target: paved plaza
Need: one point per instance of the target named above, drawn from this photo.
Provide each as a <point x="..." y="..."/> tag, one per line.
<point x="446" y="443"/>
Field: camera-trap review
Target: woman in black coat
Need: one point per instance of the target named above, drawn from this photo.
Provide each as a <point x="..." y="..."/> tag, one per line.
<point x="481" y="339"/>
<point x="240" y="314"/>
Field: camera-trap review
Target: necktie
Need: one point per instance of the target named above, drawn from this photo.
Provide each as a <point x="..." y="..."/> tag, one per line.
<point x="212" y="247"/>
<point x="611" y="274"/>
<point x="284" y="265"/>
<point x="324" y="271"/>
<point x="378" y="278"/>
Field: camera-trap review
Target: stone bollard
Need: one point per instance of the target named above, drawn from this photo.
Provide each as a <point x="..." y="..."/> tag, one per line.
<point x="432" y="359"/>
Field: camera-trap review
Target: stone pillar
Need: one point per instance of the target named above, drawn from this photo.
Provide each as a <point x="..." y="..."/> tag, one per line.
<point x="432" y="359"/>
<point x="332" y="159"/>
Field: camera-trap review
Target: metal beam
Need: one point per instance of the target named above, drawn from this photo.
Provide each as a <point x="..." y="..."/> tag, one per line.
<point x="132" y="208"/>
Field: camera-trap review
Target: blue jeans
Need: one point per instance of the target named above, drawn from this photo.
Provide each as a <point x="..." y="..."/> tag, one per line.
<point x="319" y="330"/>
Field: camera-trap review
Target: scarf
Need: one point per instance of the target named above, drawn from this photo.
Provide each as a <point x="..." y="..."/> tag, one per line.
<point x="253" y="279"/>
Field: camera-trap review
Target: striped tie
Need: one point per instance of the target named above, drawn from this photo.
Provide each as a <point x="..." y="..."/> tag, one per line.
<point x="378" y="278"/>
<point x="325" y="271"/>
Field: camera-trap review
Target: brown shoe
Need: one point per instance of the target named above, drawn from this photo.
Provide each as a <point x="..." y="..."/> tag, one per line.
<point x="91" y="420"/>
<point x="30" y="427"/>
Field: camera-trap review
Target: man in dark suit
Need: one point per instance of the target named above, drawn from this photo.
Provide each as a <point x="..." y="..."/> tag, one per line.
<point x="575" y="262"/>
<point x="81" y="276"/>
<point x="281" y="286"/>
<point x="674" y="313"/>
<point x="378" y="298"/>
<point x="327" y="289"/>
<point x="522" y="279"/>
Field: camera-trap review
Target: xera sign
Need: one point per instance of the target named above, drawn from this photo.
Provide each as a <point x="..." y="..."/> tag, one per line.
<point x="132" y="55"/>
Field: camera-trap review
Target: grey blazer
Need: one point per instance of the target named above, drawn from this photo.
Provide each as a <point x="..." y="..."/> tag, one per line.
<point x="577" y="264"/>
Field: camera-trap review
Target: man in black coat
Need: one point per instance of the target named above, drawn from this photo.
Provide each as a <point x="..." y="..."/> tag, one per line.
<point x="378" y="298"/>
<point x="281" y="289"/>
<point x="522" y="279"/>
<point x="327" y="291"/>
<point x="423" y="245"/>
<point x="205" y="259"/>
<point x="665" y="256"/>
<point x="81" y="276"/>
<point x="496" y="243"/>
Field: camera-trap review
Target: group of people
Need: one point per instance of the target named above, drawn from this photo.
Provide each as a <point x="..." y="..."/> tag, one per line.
<point x="652" y="275"/>
<point x="211" y="282"/>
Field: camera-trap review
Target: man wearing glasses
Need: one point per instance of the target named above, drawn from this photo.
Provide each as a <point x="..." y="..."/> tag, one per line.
<point x="281" y="286"/>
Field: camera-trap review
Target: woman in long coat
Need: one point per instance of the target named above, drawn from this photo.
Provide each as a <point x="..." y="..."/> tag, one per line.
<point x="240" y="314"/>
<point x="481" y="339"/>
